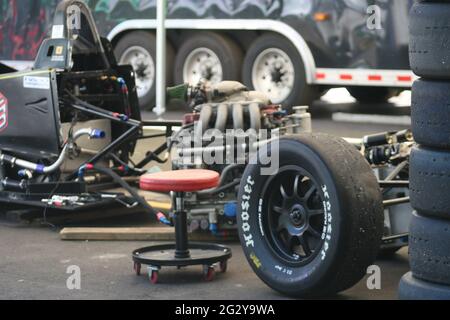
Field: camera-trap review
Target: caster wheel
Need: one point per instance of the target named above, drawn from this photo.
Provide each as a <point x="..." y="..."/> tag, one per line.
<point x="208" y="273"/>
<point x="154" y="276"/>
<point x="137" y="268"/>
<point x="223" y="266"/>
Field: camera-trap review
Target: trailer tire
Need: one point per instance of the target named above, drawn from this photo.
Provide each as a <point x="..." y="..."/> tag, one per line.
<point x="273" y="51"/>
<point x="429" y="46"/>
<point x="430" y="113"/>
<point x="429" y="256"/>
<point x="213" y="50"/>
<point x="429" y="181"/>
<point x="338" y="195"/>
<point x="411" y="288"/>
<point x="373" y="94"/>
<point x="138" y="48"/>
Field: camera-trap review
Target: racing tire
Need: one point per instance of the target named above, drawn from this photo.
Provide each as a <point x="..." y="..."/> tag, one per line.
<point x="429" y="47"/>
<point x="138" y="49"/>
<point x="429" y="181"/>
<point x="429" y="252"/>
<point x="208" y="55"/>
<point x="430" y="113"/>
<point x="411" y="288"/>
<point x="373" y="94"/>
<point x="275" y="55"/>
<point x="320" y="239"/>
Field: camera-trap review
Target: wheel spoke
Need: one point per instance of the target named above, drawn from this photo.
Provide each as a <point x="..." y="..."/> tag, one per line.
<point x="278" y="209"/>
<point x="305" y="245"/>
<point x="315" y="212"/>
<point x="283" y="192"/>
<point x="313" y="232"/>
<point x="296" y="184"/>
<point x="291" y="242"/>
<point x="310" y="192"/>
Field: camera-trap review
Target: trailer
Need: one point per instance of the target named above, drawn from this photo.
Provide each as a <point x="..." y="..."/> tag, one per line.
<point x="293" y="51"/>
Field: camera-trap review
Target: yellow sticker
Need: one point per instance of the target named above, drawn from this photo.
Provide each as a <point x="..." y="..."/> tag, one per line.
<point x="255" y="260"/>
<point x="59" y="50"/>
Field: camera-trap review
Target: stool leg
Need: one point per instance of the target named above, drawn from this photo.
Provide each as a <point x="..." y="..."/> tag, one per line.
<point x="181" y="235"/>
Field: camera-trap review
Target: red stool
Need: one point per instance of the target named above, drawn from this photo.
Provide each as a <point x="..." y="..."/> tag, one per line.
<point x="181" y="253"/>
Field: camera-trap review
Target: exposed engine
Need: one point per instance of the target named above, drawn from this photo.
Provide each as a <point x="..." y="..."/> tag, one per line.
<point x="227" y="123"/>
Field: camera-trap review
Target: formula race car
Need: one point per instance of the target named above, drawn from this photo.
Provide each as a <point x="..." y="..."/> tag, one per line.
<point x="312" y="211"/>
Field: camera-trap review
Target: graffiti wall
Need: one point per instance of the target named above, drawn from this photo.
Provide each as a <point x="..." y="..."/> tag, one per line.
<point x="24" y="23"/>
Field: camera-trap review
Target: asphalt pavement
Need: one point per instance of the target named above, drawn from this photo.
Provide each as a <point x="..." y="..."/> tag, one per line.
<point x="34" y="261"/>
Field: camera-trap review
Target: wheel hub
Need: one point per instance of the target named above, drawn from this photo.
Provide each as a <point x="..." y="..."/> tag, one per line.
<point x="295" y="215"/>
<point x="274" y="74"/>
<point x="202" y="64"/>
<point x="298" y="216"/>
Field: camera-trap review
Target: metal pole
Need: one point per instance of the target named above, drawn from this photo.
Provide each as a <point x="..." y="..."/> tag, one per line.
<point x="160" y="108"/>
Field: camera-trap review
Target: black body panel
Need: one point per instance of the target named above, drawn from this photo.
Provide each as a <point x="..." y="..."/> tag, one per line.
<point x="32" y="128"/>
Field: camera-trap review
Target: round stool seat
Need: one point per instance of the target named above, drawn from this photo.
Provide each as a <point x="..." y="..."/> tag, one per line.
<point x="180" y="180"/>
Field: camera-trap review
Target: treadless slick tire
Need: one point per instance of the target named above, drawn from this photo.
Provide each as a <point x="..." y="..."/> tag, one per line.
<point x="429" y="251"/>
<point x="429" y="181"/>
<point x="414" y="289"/>
<point x="429" y="48"/>
<point x="430" y="111"/>
<point x="314" y="227"/>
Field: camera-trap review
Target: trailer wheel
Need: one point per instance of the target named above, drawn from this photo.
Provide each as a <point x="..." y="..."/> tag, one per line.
<point x="412" y="288"/>
<point x="429" y="181"/>
<point x="273" y="66"/>
<point x="138" y="49"/>
<point x="428" y="48"/>
<point x="428" y="249"/>
<point x="209" y="56"/>
<point x="314" y="227"/>
<point x="373" y="94"/>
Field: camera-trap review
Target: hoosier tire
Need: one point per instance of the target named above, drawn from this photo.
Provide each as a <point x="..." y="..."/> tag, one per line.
<point x="428" y="249"/>
<point x="412" y="288"/>
<point x="327" y="198"/>
<point x="429" y="49"/>
<point x="429" y="181"/>
<point x="430" y="112"/>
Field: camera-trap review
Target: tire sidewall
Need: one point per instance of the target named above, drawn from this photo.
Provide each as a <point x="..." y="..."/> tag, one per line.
<point x="266" y="264"/>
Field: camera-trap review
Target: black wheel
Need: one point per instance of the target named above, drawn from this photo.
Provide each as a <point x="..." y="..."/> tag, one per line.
<point x="138" y="49"/>
<point x="137" y="268"/>
<point x="412" y="288"/>
<point x="373" y="94"/>
<point x="208" y="273"/>
<point x="210" y="56"/>
<point x="314" y="227"/>
<point x="273" y="66"/>
<point x="429" y="181"/>
<point x="223" y="266"/>
<point x="429" y="249"/>
<point x="430" y="113"/>
<point x="429" y="47"/>
<point x="154" y="276"/>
